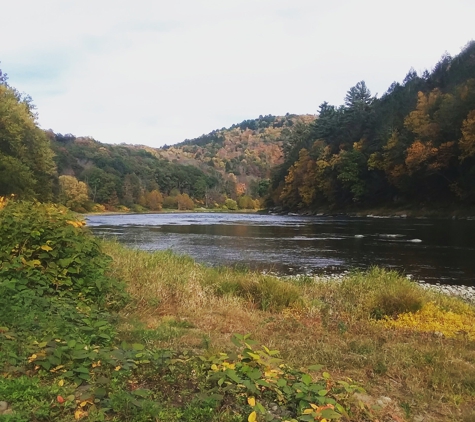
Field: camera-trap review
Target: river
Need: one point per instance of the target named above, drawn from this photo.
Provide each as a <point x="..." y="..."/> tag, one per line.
<point x="435" y="251"/>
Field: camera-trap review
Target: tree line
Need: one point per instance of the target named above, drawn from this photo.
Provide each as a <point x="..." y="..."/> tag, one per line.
<point x="415" y="144"/>
<point x="86" y="175"/>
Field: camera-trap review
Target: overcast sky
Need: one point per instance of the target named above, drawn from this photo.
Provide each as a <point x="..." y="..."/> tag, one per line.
<point x="157" y="72"/>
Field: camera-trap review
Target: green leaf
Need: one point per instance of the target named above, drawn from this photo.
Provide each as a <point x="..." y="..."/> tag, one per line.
<point x="231" y="373"/>
<point x="263" y="383"/>
<point x="141" y="392"/>
<point x="138" y="346"/>
<point x="306" y="379"/>
<point x="330" y="414"/>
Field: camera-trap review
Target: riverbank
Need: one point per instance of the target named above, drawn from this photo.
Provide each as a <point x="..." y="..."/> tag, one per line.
<point x="423" y="211"/>
<point x="426" y="369"/>
<point x="99" y="332"/>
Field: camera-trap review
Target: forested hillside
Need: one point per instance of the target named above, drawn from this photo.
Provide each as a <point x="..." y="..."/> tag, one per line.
<point x="228" y="168"/>
<point x="414" y="145"/>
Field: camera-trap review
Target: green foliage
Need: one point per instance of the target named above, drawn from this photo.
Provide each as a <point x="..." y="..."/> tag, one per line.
<point x="380" y="293"/>
<point x="231" y="204"/>
<point x="26" y="160"/>
<point x="272" y="390"/>
<point x="267" y="293"/>
<point x="45" y="250"/>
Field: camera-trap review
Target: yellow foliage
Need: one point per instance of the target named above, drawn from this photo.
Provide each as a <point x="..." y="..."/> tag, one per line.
<point x="432" y="319"/>
<point x="76" y="224"/>
<point x="467" y="143"/>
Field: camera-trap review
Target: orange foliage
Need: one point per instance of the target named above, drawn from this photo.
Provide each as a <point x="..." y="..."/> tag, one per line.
<point x="467" y="143"/>
<point x="419" y="120"/>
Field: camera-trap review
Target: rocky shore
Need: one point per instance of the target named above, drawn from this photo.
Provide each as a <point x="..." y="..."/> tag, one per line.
<point x="465" y="292"/>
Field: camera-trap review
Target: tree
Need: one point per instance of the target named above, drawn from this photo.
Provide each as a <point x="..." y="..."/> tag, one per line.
<point x="467" y="143"/>
<point x="358" y="97"/>
<point x="72" y="193"/>
<point x="26" y="159"/>
<point x="231" y="204"/>
<point x="154" y="200"/>
<point x="185" y="202"/>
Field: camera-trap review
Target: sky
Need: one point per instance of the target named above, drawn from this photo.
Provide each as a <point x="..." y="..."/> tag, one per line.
<point x="157" y="72"/>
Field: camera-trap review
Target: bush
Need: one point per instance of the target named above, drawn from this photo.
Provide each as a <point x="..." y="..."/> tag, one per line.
<point x="267" y="293"/>
<point x="378" y="293"/>
<point x="46" y="249"/>
<point x="231" y="204"/>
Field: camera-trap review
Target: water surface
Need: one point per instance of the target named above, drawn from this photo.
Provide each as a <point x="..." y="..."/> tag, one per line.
<point x="430" y="250"/>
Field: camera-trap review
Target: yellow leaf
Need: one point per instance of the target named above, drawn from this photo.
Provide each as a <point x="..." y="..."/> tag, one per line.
<point x="79" y="414"/>
<point x="313" y="405"/>
<point x="251" y="401"/>
<point x="252" y="417"/>
<point x="214" y="367"/>
<point x="117" y="368"/>
<point x="307" y="411"/>
<point x="47" y="248"/>
<point x="61" y="383"/>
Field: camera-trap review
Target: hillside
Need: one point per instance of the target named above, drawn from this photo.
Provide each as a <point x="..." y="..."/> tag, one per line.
<point x="232" y="165"/>
<point x="415" y="145"/>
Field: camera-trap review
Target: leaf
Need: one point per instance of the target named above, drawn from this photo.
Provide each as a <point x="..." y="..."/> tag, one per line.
<point x="138" y="346"/>
<point x="231" y="373"/>
<point x="46" y="248"/>
<point x="251" y="401"/>
<point x="330" y="414"/>
<point x="141" y="392"/>
<point x="79" y="414"/>
<point x="252" y="417"/>
<point x="306" y="379"/>
<point x="61" y="383"/>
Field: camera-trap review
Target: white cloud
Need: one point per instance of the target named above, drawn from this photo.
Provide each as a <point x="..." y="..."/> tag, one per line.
<point x="157" y="72"/>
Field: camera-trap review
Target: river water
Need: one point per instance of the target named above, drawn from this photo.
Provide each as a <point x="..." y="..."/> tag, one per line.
<point x="430" y="250"/>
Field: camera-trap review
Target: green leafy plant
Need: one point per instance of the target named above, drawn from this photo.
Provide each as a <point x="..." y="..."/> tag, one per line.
<point x="272" y="390"/>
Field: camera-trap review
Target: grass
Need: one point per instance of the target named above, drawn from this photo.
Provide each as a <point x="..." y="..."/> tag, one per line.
<point x="138" y="336"/>
<point x="179" y="304"/>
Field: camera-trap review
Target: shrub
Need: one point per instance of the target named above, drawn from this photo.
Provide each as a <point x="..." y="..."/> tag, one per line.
<point x="46" y="249"/>
<point x="378" y="293"/>
<point x="267" y="293"/>
<point x="231" y="204"/>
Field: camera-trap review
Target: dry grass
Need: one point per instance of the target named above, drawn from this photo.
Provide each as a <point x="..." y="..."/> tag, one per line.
<point x="179" y="304"/>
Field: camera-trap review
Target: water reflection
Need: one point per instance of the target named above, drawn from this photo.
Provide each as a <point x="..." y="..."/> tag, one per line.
<point x="432" y="250"/>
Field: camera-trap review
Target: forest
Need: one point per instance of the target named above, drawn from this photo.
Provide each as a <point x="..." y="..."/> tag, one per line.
<point x="415" y="145"/>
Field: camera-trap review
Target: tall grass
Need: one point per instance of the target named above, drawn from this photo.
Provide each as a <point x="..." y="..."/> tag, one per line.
<point x="328" y="322"/>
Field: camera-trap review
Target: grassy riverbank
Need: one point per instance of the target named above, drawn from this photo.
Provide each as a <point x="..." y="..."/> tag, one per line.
<point x="98" y="332"/>
<point x="426" y="373"/>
